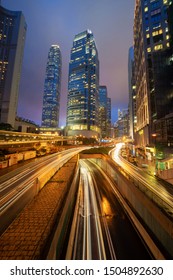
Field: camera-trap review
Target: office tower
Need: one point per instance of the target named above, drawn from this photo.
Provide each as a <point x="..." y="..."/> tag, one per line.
<point x="132" y="95"/>
<point x="12" y="39"/>
<point x="104" y="112"/>
<point x="152" y="59"/>
<point x="83" y="87"/>
<point x="52" y="87"/>
<point x="109" y="133"/>
<point x="122" y="124"/>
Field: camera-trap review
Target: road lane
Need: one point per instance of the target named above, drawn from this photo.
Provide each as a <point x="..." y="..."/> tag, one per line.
<point x="21" y="187"/>
<point x="111" y="234"/>
<point x="161" y="191"/>
<point x="89" y="231"/>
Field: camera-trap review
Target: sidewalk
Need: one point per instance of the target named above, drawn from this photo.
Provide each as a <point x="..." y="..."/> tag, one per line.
<point x="28" y="235"/>
<point x="147" y="165"/>
<point x="150" y="167"/>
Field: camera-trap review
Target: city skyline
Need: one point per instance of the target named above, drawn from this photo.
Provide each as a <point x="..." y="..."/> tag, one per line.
<point x="112" y="27"/>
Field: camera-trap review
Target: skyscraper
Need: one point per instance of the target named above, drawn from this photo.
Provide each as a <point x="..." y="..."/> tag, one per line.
<point x="104" y="112"/>
<point x="122" y="124"/>
<point x="109" y="117"/>
<point x="83" y="87"/>
<point x="52" y="87"/>
<point x="151" y="45"/>
<point x="12" y="39"/>
<point x="132" y="94"/>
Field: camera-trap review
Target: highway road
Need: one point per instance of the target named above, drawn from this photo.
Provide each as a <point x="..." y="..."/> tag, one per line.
<point x="20" y="185"/>
<point x="102" y="228"/>
<point x="162" y="191"/>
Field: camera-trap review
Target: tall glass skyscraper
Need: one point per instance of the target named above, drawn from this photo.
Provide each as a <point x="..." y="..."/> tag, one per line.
<point x="12" y="40"/>
<point x="83" y="87"/>
<point x="52" y="88"/>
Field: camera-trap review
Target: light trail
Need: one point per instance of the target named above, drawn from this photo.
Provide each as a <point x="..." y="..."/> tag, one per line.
<point x="166" y="198"/>
<point x="90" y="221"/>
<point x="91" y="224"/>
<point x="15" y="190"/>
<point x="136" y="223"/>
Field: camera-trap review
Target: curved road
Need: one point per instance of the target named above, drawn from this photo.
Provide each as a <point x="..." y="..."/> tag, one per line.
<point x="163" y="191"/>
<point x="20" y="185"/>
<point x="103" y="230"/>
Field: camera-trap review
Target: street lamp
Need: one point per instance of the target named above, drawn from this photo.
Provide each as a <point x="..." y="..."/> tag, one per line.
<point x="154" y="135"/>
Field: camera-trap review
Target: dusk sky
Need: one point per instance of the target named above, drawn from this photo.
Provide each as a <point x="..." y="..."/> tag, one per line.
<point x="57" y="22"/>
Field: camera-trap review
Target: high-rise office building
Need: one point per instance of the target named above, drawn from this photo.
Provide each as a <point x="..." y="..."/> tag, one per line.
<point x="151" y="46"/>
<point x="104" y="112"/>
<point x="12" y="39"/>
<point x="83" y="87"/>
<point x="122" y="125"/>
<point x="109" y="117"/>
<point x="52" y="88"/>
<point x="132" y="95"/>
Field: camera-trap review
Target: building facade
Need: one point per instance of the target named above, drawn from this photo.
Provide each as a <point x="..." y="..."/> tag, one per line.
<point x="104" y="112"/>
<point x="151" y="46"/>
<point x="142" y="98"/>
<point x="52" y="88"/>
<point x="12" y="40"/>
<point x="109" y="117"/>
<point x="121" y="127"/>
<point x="132" y="95"/>
<point x="25" y="125"/>
<point x="83" y="87"/>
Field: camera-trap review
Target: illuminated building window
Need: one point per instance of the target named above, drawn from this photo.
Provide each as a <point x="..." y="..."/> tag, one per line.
<point x="158" y="32"/>
<point x="158" y="47"/>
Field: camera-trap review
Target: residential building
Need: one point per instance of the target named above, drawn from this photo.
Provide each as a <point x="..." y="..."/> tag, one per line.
<point x="154" y="98"/>
<point x="12" y="40"/>
<point x="83" y="87"/>
<point x="52" y="88"/>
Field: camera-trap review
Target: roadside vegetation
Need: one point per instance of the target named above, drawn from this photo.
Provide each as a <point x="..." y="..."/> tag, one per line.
<point x="97" y="150"/>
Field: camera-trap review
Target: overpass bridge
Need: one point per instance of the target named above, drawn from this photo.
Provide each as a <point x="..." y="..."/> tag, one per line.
<point x="9" y="138"/>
